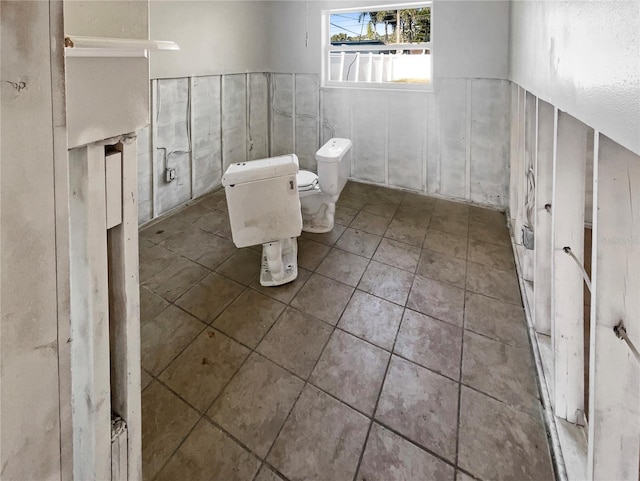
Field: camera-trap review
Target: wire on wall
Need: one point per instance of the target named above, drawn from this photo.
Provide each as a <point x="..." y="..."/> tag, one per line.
<point x="168" y="153"/>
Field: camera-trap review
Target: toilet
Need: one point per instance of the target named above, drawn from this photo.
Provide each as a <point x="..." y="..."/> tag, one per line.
<point x="319" y="193"/>
<point x="270" y="202"/>
<point x="264" y="208"/>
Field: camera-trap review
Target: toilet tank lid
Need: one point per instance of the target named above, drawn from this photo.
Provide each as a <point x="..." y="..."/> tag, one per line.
<point x="333" y="150"/>
<point x="262" y="169"/>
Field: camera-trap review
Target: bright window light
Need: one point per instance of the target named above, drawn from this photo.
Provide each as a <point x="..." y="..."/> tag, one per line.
<point x="389" y="48"/>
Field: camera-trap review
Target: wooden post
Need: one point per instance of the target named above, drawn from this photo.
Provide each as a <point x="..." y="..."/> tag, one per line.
<point x="614" y="377"/>
<point x="543" y="257"/>
<point x="568" y="229"/>
<point x="124" y="314"/>
<point x="89" y="314"/>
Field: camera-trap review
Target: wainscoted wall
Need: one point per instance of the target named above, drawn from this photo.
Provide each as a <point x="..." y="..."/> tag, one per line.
<point x="452" y="142"/>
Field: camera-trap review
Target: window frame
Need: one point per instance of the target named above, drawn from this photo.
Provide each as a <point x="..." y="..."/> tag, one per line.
<point x="328" y="48"/>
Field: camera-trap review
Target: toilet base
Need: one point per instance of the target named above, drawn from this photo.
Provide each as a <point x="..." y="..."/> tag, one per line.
<point x="286" y="261"/>
<point x="320" y="221"/>
<point x="315" y="226"/>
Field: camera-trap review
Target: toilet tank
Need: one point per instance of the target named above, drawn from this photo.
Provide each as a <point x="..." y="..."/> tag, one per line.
<point x="262" y="199"/>
<point x="334" y="165"/>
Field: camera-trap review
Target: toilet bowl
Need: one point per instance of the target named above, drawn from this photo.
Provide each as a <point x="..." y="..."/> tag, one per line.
<point x="319" y="193"/>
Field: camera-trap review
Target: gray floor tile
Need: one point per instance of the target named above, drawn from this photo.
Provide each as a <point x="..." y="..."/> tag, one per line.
<point x="151" y="305"/>
<point x="255" y="404"/>
<point x="450" y="223"/>
<point x="159" y="231"/>
<point x="421" y="405"/>
<point x="162" y="338"/>
<point x="213" y="222"/>
<point x="493" y="283"/>
<point x="431" y="343"/>
<point x="489" y="233"/>
<point x="499" y="442"/>
<point x="295" y="342"/>
<point x="153" y="259"/>
<point x="356" y="202"/>
<point x="460" y="476"/>
<point x="501" y="371"/>
<point x="436" y="299"/>
<point x="249" y="317"/>
<point x="343" y="266"/>
<point x="328" y="238"/>
<point x="209" y="454"/>
<point x="145" y="379"/>
<point x="440" y="267"/>
<point x="243" y="266"/>
<point x="371" y="223"/>
<point x="176" y="278"/>
<point x="381" y="208"/>
<point x="210" y="297"/>
<point x="358" y="242"/>
<point x="194" y="212"/>
<point x="491" y="255"/>
<point x="372" y="319"/>
<point x="410" y="215"/>
<point x="344" y="215"/>
<point x="199" y="246"/>
<point x="386" y="281"/>
<point x="418" y="201"/>
<point x="166" y="421"/>
<point x="311" y="253"/>
<point x="406" y="233"/>
<point x="388" y="457"/>
<point x="448" y="244"/>
<point x="200" y="372"/>
<point x="496" y="319"/>
<point x="323" y="298"/>
<point x="487" y="216"/>
<point x="398" y="254"/>
<point x="267" y="474"/>
<point x="450" y="208"/>
<point x="351" y="370"/>
<point x="322" y="439"/>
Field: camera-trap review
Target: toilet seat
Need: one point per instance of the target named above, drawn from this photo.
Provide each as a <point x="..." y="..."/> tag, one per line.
<point x="306" y="180"/>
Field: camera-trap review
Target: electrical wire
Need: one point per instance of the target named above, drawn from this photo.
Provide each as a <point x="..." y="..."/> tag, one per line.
<point x="167" y="153"/>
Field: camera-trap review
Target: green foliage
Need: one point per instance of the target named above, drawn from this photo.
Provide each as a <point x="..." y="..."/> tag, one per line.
<point x="415" y="24"/>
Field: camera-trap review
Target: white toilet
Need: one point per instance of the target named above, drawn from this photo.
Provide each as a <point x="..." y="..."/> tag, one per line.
<point x="270" y="202"/>
<point x="264" y="208"/>
<point x="319" y="193"/>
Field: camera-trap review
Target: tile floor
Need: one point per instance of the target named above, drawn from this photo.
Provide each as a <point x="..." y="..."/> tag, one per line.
<point x="399" y="353"/>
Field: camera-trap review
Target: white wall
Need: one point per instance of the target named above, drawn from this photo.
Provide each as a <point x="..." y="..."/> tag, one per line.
<point x="470" y="38"/>
<point x="451" y="141"/>
<point x="33" y="406"/>
<point x="215" y="37"/>
<point x="584" y="58"/>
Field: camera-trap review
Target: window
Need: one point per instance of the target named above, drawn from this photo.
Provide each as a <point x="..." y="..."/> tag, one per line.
<point x="388" y="47"/>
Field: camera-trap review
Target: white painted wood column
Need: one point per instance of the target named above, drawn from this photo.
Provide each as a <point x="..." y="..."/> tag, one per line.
<point x="543" y="253"/>
<point x="568" y="228"/>
<point x="528" y="175"/>
<point x="124" y="312"/>
<point x="614" y="402"/>
<point x="514" y="156"/>
<point x="89" y="314"/>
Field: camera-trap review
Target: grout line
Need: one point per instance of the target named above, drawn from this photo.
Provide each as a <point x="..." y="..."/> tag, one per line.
<point x="333" y="329"/>
<point x="375" y="408"/>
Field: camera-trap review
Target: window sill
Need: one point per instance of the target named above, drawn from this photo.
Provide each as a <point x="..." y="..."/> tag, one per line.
<point x="387" y="86"/>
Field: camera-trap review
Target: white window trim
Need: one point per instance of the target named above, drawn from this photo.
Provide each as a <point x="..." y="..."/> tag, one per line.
<point x="327" y="48"/>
